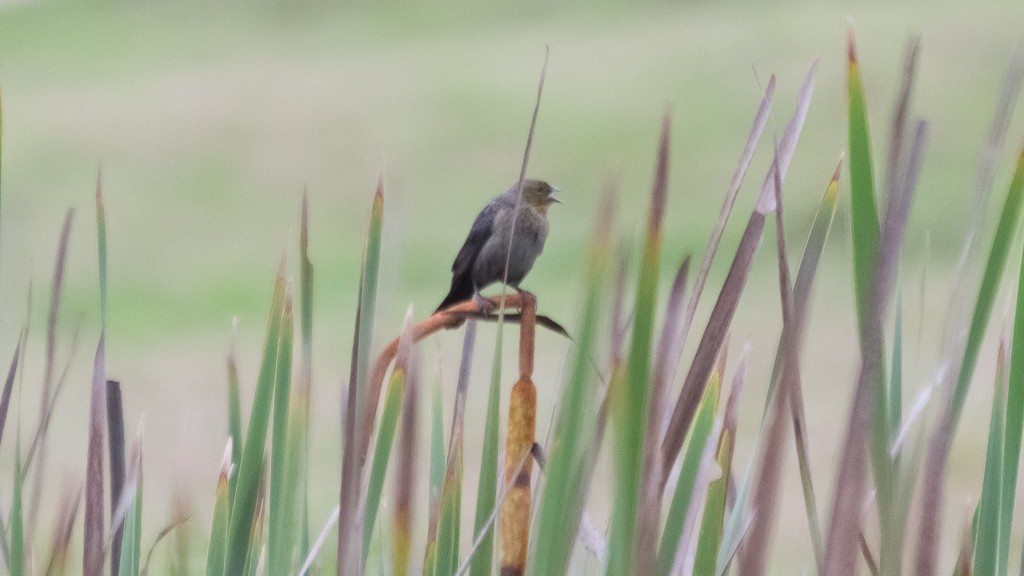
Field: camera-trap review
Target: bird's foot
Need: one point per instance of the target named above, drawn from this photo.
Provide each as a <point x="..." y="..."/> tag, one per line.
<point x="480" y="302"/>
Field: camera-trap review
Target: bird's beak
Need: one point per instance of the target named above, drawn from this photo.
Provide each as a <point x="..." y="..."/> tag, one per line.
<point x="552" y="199"/>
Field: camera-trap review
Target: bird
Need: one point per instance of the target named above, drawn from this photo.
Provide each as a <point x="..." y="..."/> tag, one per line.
<point x="483" y="256"/>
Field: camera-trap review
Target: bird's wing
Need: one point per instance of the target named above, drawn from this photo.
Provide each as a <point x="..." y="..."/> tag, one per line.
<point x="478" y="235"/>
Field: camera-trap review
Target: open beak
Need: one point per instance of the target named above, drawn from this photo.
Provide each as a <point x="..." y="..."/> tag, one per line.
<point x="551" y="197"/>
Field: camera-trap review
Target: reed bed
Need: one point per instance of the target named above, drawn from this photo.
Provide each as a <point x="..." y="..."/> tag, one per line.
<point x="680" y="502"/>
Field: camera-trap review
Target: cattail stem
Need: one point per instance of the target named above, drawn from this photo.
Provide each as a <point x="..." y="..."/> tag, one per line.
<point x="522" y="425"/>
<point x="451" y="317"/>
<point x="528" y="323"/>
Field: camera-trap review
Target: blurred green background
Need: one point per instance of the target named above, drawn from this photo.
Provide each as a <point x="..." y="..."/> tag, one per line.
<point x="210" y="120"/>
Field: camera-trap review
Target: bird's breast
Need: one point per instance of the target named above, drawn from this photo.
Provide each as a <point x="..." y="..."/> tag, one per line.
<point x="520" y="249"/>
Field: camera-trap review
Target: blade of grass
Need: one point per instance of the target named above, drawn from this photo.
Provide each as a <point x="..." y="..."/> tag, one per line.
<point x="629" y="406"/>
<point x="935" y="460"/>
<point x="437" y="466"/>
<point x="5" y="546"/>
<point x="175" y="523"/>
<point x="47" y="390"/>
<point x="393" y="398"/>
<point x="896" y="381"/>
<point x="650" y="491"/>
<point x="760" y="120"/>
<point x="405" y="477"/>
<point x="1007" y="223"/>
<point x="864" y="218"/>
<point x="963" y="560"/>
<point x="281" y="513"/>
<point x="180" y="553"/>
<point x="92" y="561"/>
<point x="817" y="237"/>
<point x="938" y="451"/>
<point x="62" y="530"/>
<point x="619" y="322"/>
<point x="1015" y="401"/>
<point x="731" y="539"/>
<point x="732" y="289"/>
<point x="869" y="559"/>
<point x="844" y="528"/>
<point x="487" y="485"/>
<point x="1014" y="425"/>
<point x="93" y="557"/>
<point x="910" y="467"/>
<point x="884" y="431"/>
<point x="37" y="439"/>
<point x="801" y="295"/>
<point x="791" y="364"/>
<point x="306" y="373"/>
<point x="447" y="559"/>
<point x="564" y="489"/>
<point x="667" y="343"/>
<point x="990" y="153"/>
<point x="996" y="138"/>
<point x="101" y="238"/>
<point x="711" y="527"/>
<point x="115" y="429"/>
<point x="324" y="533"/>
<point x="297" y="471"/>
<point x="987" y="532"/>
<point x="1012" y="435"/>
<point x="754" y="550"/>
<point x="994" y="268"/>
<point x="706" y="474"/>
<point x="250" y="470"/>
<point x="129" y="564"/>
<point x="256" y="550"/>
<point x="813" y="248"/>
<point x="361" y="405"/>
<point x="234" y="410"/>
<point x="17" y="551"/>
<point x="863" y="207"/>
<point x="217" y="550"/>
<point x="122" y="506"/>
<point x="5" y="396"/>
<point x="800" y="303"/>
<point x="672" y="534"/>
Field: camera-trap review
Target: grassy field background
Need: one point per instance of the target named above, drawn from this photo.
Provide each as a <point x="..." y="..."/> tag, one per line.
<point x="209" y="122"/>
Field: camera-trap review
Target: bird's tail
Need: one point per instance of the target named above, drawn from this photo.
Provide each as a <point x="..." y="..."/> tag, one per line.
<point x="462" y="289"/>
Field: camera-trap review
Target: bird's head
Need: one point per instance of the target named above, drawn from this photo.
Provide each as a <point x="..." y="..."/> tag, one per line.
<point x="538" y="194"/>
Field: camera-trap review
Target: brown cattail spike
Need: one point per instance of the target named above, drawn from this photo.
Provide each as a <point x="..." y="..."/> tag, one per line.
<point x="515" y="511"/>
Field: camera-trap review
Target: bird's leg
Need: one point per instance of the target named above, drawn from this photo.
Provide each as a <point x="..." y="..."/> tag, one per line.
<point x="480" y="301"/>
<point x="522" y="292"/>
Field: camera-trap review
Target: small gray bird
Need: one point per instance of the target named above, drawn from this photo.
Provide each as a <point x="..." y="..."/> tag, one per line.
<point x="481" y="261"/>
